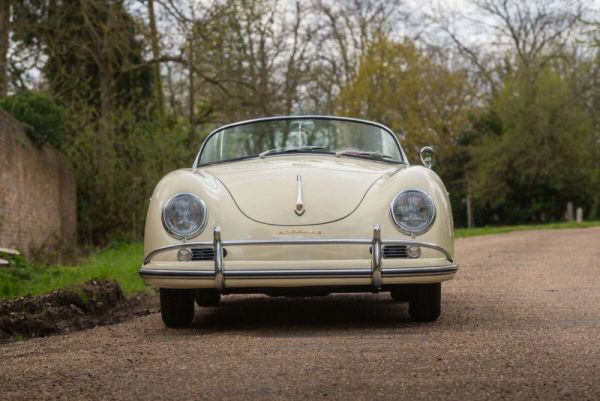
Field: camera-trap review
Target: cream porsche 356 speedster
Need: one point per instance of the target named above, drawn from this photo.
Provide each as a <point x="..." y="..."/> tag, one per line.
<point x="299" y="206"/>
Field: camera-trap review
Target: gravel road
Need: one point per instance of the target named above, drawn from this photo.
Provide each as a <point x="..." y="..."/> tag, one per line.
<point x="520" y="321"/>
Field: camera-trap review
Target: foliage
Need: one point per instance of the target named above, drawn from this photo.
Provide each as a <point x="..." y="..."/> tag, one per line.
<point x="403" y="86"/>
<point x="116" y="175"/>
<point x="44" y="120"/>
<point x="115" y="140"/>
<point x="93" y="55"/>
<point x="521" y="157"/>
<point x="120" y="262"/>
<point x="253" y="57"/>
<point x="541" y="160"/>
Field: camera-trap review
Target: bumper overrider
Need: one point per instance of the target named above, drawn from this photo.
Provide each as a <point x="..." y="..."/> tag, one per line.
<point x="377" y="273"/>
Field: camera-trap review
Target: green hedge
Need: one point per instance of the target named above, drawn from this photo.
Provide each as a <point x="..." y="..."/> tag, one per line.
<point x="44" y="120"/>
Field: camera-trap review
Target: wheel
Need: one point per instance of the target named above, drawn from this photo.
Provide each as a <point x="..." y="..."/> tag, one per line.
<point x="207" y="297"/>
<point x="176" y="307"/>
<point x="425" y="304"/>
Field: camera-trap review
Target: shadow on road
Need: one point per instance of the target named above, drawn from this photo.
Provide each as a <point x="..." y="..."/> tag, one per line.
<point x="360" y="314"/>
<point x="301" y="316"/>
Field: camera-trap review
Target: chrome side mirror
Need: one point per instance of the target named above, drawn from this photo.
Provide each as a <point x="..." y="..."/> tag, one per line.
<point x="427" y="156"/>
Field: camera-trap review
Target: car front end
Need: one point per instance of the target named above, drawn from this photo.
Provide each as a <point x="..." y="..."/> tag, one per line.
<point x="299" y="223"/>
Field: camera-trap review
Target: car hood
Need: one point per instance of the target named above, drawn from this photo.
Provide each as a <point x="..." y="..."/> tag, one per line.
<point x="266" y="190"/>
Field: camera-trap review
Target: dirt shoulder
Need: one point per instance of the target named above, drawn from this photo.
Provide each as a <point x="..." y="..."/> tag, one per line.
<point x="94" y="303"/>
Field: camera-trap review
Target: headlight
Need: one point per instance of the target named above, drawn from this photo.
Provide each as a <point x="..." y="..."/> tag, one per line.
<point x="184" y="215"/>
<point x="413" y="211"/>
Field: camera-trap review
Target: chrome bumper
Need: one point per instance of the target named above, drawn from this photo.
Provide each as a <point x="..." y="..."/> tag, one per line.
<point x="375" y="271"/>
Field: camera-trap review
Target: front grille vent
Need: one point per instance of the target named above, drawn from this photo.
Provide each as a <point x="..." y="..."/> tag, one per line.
<point x="394" y="251"/>
<point x="203" y="253"/>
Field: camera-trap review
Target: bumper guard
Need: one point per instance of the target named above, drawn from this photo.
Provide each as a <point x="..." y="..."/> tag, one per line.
<point x="375" y="272"/>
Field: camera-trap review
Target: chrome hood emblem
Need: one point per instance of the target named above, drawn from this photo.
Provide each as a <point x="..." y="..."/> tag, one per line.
<point x="299" y="201"/>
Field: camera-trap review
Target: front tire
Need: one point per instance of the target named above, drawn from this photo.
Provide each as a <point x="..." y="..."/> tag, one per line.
<point x="425" y="304"/>
<point x="176" y="307"/>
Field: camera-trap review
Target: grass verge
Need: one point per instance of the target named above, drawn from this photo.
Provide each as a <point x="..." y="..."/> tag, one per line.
<point x="120" y="263"/>
<point x="472" y="232"/>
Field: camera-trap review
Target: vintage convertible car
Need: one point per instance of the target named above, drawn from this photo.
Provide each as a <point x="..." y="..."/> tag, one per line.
<point x="299" y="206"/>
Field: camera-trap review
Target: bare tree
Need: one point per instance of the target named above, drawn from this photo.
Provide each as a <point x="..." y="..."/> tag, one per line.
<point x="154" y="40"/>
<point x="347" y="28"/>
<point x="522" y="35"/>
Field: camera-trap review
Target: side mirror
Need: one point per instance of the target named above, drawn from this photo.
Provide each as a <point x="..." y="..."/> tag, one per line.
<point x="427" y="156"/>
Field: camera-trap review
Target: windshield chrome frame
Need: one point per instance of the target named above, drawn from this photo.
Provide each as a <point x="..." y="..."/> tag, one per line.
<point x="298" y="117"/>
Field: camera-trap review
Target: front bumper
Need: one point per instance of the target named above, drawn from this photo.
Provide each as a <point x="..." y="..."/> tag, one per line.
<point x="357" y="273"/>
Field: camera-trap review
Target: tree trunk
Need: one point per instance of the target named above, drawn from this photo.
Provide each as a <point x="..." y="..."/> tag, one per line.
<point x="191" y="97"/>
<point x="160" y="103"/>
<point x="107" y="90"/>
<point x="106" y="99"/>
<point x="173" y="104"/>
<point x="4" y="44"/>
<point x="469" y="199"/>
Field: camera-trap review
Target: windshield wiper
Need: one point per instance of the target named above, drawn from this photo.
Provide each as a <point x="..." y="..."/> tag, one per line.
<point x="365" y="154"/>
<point x="289" y="150"/>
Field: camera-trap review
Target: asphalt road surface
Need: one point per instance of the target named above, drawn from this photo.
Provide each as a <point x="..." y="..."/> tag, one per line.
<point x="520" y="321"/>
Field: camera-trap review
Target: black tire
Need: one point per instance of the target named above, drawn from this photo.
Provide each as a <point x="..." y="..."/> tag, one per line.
<point x="176" y="307"/>
<point x="207" y="297"/>
<point x="425" y="303"/>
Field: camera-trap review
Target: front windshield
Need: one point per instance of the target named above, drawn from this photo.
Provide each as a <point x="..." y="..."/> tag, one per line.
<point x="303" y="135"/>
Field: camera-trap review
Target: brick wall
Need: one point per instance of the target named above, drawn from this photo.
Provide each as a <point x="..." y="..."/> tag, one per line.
<point x="38" y="204"/>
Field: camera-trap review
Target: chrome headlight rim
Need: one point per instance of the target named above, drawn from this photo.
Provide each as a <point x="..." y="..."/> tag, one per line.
<point x="201" y="226"/>
<point x="408" y="230"/>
